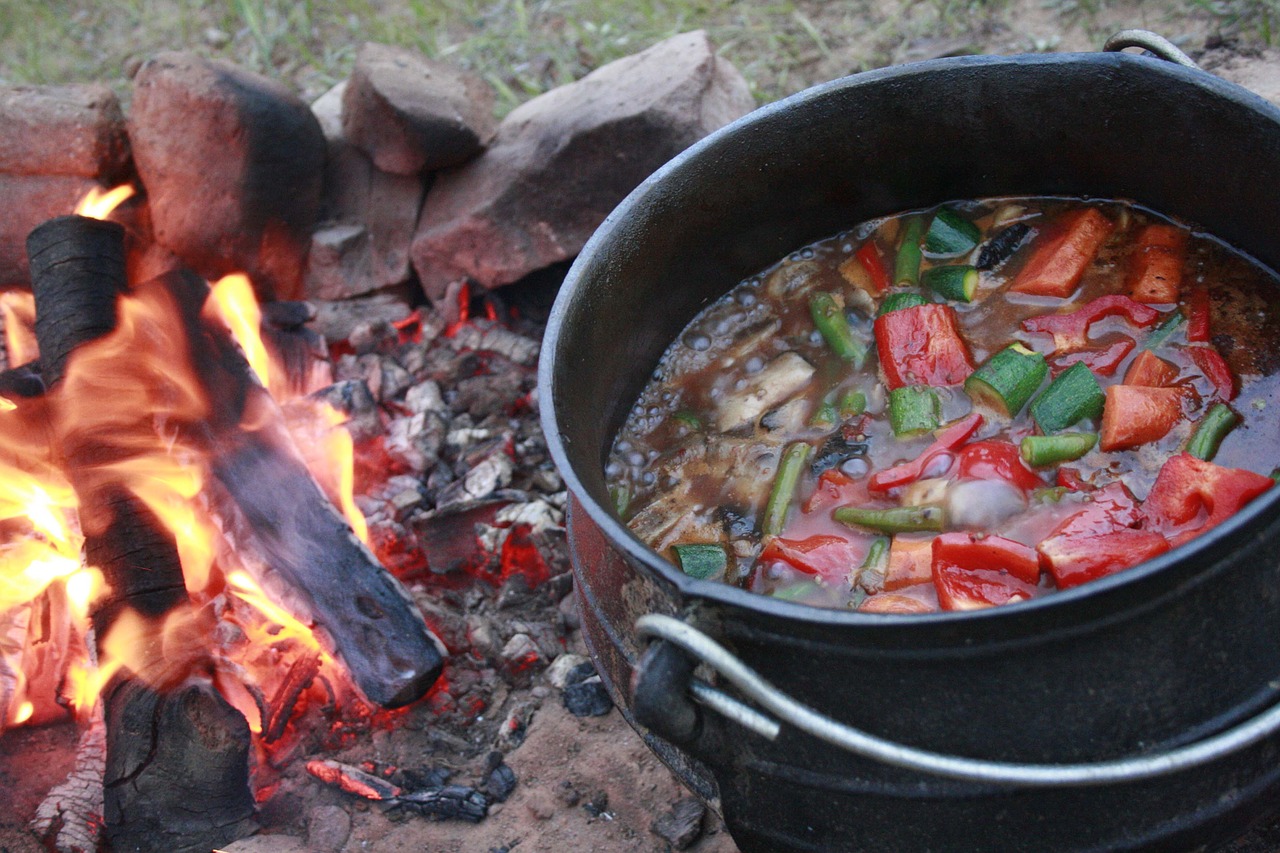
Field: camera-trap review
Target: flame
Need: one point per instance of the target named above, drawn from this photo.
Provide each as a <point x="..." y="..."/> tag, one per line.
<point x="144" y="368"/>
<point x="18" y="310"/>
<point x="232" y="301"/>
<point x="99" y="205"/>
<point x="337" y="446"/>
<point x="285" y="625"/>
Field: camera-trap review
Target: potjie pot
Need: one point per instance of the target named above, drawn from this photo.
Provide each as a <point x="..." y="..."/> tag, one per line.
<point x="1141" y="710"/>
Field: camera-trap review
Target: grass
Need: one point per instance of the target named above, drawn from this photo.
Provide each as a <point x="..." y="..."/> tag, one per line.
<point x="525" y="47"/>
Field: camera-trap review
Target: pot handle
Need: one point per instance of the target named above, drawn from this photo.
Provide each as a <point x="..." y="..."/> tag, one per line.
<point x="1149" y="41"/>
<point x="707" y="651"/>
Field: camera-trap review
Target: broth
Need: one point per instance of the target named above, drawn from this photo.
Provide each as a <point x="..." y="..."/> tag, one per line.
<point x="960" y="407"/>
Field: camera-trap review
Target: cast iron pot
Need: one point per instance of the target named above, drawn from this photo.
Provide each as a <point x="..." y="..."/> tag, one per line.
<point x="1137" y="711"/>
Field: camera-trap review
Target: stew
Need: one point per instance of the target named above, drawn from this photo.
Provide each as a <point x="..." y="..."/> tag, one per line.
<point x="960" y="407"/>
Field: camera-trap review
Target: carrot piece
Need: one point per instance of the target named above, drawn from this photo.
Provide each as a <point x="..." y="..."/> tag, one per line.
<point x="910" y="563"/>
<point x="1138" y="414"/>
<point x="1063" y="254"/>
<point x="1150" y="370"/>
<point x="1155" y="267"/>
<point x="891" y="603"/>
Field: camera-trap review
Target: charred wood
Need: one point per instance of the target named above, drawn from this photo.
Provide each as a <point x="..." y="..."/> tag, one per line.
<point x="167" y="747"/>
<point x="176" y="771"/>
<point x="289" y="533"/>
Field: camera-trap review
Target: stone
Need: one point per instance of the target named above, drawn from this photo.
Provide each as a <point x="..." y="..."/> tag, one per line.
<point x="328" y="828"/>
<point x="368" y="216"/>
<point x="562" y="161"/>
<point x="63" y="130"/>
<point x="28" y="200"/>
<point x="337" y="319"/>
<point x="558" y="672"/>
<point x="233" y="164"/>
<point x="682" y="825"/>
<point x="411" y="114"/>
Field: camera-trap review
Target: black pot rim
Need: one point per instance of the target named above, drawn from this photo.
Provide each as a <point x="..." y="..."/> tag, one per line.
<point x="1063" y="605"/>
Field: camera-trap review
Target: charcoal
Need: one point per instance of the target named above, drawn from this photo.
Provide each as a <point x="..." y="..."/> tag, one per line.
<point x="500" y="783"/>
<point x="450" y="802"/>
<point x="681" y="826"/>
<point x="415" y="779"/>
<point x="588" y="698"/>
<point x="580" y="673"/>
<point x="288" y="314"/>
<point x="598" y="805"/>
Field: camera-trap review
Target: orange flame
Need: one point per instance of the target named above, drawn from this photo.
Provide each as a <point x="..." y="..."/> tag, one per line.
<point x="99" y="205"/>
<point x="144" y="369"/>
<point x="233" y="301"/>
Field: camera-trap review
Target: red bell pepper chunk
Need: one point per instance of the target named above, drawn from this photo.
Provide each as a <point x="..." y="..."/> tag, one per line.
<point x="1188" y="489"/>
<point x="1071" y="331"/>
<point x="1105" y="510"/>
<point x="1100" y="539"/>
<point x="908" y="472"/>
<point x="1151" y="370"/>
<point x="1063" y="253"/>
<point x="832" y="557"/>
<point x="997" y="460"/>
<point x="869" y="256"/>
<point x="922" y="345"/>
<point x="1070" y="479"/>
<point x="1198" y="311"/>
<point x="1073" y="560"/>
<point x="1155" y="267"/>
<point x="834" y="488"/>
<point x="971" y="572"/>
<point x="1134" y="415"/>
<point x="1214" y="367"/>
<point x="1103" y="361"/>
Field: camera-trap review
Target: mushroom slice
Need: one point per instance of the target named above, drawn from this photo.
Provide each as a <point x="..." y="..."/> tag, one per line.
<point x="784" y="376"/>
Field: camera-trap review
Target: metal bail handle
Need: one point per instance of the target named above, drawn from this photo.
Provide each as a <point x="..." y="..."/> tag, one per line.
<point x="787" y="710"/>
<point x="1151" y="42"/>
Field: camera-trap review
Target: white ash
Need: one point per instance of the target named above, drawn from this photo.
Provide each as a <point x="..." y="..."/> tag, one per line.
<point x="537" y="514"/>
<point x="68" y="819"/>
<point x="484" y="336"/>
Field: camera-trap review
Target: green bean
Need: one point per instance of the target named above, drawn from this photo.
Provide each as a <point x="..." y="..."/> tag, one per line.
<point x="1040" y="450"/>
<point x="829" y="317"/>
<point x="898" y="519"/>
<point x="1217" y="422"/>
<point x="1163" y="331"/>
<point x="784" y="487"/>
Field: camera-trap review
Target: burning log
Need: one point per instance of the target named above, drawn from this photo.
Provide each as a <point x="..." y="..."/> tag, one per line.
<point x="171" y="745"/>
<point x="289" y="533"/>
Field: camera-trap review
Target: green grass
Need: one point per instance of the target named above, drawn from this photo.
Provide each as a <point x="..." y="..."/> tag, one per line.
<point x="525" y="47"/>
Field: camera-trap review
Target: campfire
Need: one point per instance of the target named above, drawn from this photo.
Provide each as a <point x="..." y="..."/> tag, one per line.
<point x="220" y="579"/>
<point x="243" y="532"/>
